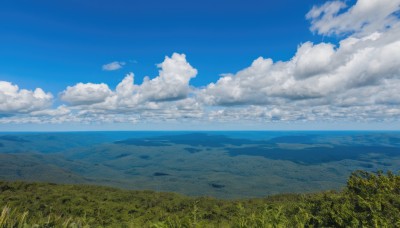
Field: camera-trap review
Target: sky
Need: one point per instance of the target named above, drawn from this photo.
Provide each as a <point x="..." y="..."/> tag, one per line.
<point x="199" y="65"/>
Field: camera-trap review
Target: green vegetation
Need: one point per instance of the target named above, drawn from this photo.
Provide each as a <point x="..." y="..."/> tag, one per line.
<point x="369" y="200"/>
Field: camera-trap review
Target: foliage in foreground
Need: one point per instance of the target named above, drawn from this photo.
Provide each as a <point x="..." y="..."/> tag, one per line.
<point x="370" y="200"/>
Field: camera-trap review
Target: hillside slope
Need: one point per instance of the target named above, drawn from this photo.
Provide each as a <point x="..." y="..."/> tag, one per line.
<point x="369" y="199"/>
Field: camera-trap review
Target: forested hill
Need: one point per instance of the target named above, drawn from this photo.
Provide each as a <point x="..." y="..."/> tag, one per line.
<point x="369" y="199"/>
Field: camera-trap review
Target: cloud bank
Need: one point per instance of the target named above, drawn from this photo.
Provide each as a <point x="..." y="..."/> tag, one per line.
<point x="357" y="79"/>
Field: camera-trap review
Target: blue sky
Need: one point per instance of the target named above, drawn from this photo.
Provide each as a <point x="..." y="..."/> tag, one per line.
<point x="53" y="45"/>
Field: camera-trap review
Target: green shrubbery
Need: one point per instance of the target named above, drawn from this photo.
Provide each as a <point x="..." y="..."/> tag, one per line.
<point x="369" y="200"/>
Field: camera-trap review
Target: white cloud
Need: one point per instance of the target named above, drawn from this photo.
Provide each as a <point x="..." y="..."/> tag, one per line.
<point x="113" y="66"/>
<point x="171" y="84"/>
<point x="365" y="17"/>
<point x="319" y="71"/>
<point x="312" y="59"/>
<point x="15" y="100"/>
<point x="85" y="94"/>
<point x="356" y="80"/>
<point x="59" y="111"/>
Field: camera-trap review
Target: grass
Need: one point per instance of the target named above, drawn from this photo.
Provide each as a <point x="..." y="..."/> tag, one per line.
<point x="369" y="200"/>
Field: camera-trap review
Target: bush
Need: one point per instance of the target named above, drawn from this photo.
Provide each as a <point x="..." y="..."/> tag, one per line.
<point x="369" y="200"/>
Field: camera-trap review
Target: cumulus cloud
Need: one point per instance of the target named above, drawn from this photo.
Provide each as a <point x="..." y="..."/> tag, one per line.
<point x="357" y="79"/>
<point x="16" y="100"/>
<point x="317" y="73"/>
<point x="354" y="80"/>
<point x="172" y="84"/>
<point x="162" y="98"/>
<point x="311" y="60"/>
<point x="173" y="80"/>
<point x="85" y="93"/>
<point x="113" y="66"/>
<point x="364" y="17"/>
